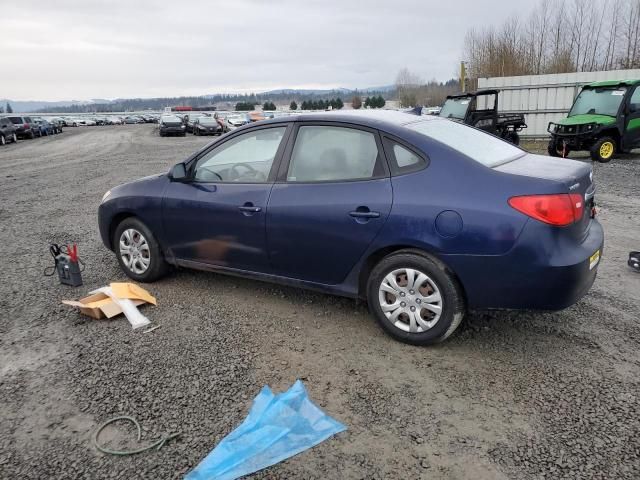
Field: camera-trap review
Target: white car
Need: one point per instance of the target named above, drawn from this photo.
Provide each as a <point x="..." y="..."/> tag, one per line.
<point x="234" y="121"/>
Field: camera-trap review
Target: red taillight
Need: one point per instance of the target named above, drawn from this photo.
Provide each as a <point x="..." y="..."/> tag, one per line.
<point x="559" y="209"/>
<point x="26" y="125"/>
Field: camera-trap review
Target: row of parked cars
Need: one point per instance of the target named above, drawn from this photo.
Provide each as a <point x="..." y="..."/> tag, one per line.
<point x="109" y="120"/>
<point x="205" y="123"/>
<point x="20" y="127"/>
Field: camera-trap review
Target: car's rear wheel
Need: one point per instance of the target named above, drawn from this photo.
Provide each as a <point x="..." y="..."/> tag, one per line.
<point x="138" y="251"/>
<point x="414" y="298"/>
<point x="604" y="149"/>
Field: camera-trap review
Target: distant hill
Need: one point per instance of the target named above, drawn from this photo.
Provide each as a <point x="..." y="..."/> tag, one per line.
<point x="38" y="106"/>
<point x="284" y="95"/>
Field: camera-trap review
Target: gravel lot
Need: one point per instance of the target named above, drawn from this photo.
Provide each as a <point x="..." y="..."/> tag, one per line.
<point x="513" y="395"/>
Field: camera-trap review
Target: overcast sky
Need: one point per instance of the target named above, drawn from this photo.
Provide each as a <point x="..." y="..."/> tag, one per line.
<point x="67" y="49"/>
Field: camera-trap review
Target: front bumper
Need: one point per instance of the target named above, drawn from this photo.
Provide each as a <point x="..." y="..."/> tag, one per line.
<point x="576" y="137"/>
<point x="172" y="130"/>
<point x="539" y="273"/>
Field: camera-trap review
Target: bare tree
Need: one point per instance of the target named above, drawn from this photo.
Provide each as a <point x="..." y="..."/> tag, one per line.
<point x="558" y="36"/>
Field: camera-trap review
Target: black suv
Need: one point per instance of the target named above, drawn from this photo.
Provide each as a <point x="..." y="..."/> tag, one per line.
<point x="7" y="131"/>
<point x="25" y="127"/>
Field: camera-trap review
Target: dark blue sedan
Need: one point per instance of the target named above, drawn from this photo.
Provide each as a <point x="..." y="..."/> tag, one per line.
<point x="421" y="216"/>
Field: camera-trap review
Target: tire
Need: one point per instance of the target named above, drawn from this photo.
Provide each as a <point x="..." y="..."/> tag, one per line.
<point x="14" y="138"/>
<point x="146" y="248"/>
<point x="513" y="138"/>
<point x="32" y="135"/>
<point x="604" y="149"/>
<point x="161" y="134"/>
<point x="3" y="141"/>
<point x="555" y="150"/>
<point x="433" y="327"/>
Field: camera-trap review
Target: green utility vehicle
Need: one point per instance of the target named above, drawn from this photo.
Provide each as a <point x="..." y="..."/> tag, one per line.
<point x="480" y="109"/>
<point x="604" y="119"/>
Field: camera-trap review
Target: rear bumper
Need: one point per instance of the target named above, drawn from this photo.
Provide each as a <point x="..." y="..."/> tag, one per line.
<point x="538" y="274"/>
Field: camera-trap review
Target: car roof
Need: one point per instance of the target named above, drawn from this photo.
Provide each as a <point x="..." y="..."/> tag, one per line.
<point x="369" y="118"/>
<point x="614" y="83"/>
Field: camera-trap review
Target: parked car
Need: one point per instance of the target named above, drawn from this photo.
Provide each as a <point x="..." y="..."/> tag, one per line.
<point x="423" y="217"/>
<point x="45" y="127"/>
<point x="234" y="121"/>
<point x="171" y="125"/>
<point x="191" y="118"/>
<point x="57" y="124"/>
<point x="207" y="126"/>
<point x="604" y="120"/>
<point x="25" y="128"/>
<point x="131" y="120"/>
<point x="7" y="131"/>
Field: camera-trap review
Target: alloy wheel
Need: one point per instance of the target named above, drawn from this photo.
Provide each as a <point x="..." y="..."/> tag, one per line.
<point x="410" y="300"/>
<point x="135" y="251"/>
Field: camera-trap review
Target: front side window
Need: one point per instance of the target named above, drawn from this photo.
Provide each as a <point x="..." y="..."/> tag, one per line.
<point x="247" y="158"/>
<point x="326" y="153"/>
<point x="635" y="98"/>
<point x="475" y="144"/>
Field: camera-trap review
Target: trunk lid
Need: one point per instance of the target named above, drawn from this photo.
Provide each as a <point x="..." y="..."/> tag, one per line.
<point x="576" y="176"/>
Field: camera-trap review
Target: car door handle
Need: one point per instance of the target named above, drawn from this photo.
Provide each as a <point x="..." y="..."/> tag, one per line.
<point x="364" y="214"/>
<point x="250" y="208"/>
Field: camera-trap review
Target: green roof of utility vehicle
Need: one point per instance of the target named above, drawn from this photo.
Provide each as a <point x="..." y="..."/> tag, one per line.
<point x="613" y="83"/>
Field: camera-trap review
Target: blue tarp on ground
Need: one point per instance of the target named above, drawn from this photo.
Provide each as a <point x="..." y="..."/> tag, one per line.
<point x="277" y="427"/>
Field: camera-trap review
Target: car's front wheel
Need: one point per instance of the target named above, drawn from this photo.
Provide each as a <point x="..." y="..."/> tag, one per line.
<point x="138" y="251"/>
<point x="14" y="138"/>
<point x="415" y="298"/>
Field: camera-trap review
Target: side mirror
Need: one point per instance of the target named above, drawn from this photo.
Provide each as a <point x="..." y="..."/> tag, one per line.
<point x="178" y="173"/>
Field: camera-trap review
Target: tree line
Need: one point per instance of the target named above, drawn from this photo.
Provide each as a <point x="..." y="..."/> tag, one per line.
<point x="558" y="36"/>
<point x="413" y="90"/>
<point x="334" y="103"/>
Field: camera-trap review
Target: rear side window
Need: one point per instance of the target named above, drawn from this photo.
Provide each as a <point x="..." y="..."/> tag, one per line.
<point x="16" y="120"/>
<point x="475" y="144"/>
<point x="402" y="159"/>
<point x="329" y="154"/>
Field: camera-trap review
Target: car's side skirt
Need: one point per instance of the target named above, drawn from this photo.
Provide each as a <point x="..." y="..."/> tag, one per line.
<point x="341" y="289"/>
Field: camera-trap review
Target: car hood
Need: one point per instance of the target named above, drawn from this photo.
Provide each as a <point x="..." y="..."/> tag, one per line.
<point x="587" y="118"/>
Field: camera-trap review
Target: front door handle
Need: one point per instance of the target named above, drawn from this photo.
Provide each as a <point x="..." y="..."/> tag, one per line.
<point x="364" y="214"/>
<point x="249" y="208"/>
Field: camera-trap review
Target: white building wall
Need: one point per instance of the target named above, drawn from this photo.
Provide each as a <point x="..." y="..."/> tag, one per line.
<point x="545" y="98"/>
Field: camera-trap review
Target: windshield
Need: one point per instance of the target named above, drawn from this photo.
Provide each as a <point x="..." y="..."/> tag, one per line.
<point x="455" y="108"/>
<point x="475" y="144"/>
<point x="171" y="118"/>
<point x="208" y="121"/>
<point x="598" y="101"/>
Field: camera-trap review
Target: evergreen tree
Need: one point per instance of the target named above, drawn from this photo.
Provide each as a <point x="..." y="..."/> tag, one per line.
<point x="339" y="103"/>
<point x="8" y="108"/>
<point x="381" y="101"/>
<point x="293" y="105"/>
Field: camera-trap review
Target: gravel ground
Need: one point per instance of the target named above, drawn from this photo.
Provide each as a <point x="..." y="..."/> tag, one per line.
<point x="513" y="395"/>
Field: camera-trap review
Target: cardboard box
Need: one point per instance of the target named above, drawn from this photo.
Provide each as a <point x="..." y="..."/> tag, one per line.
<point x="99" y="305"/>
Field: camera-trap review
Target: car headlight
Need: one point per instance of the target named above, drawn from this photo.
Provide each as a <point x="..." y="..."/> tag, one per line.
<point x="105" y="196"/>
<point x="182" y="126"/>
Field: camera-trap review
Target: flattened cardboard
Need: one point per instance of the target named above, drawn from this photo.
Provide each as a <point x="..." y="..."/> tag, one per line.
<point x="100" y="306"/>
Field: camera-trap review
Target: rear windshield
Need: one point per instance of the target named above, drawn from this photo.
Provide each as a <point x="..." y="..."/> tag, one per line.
<point x="16" y="120"/>
<point x="475" y="144"/>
